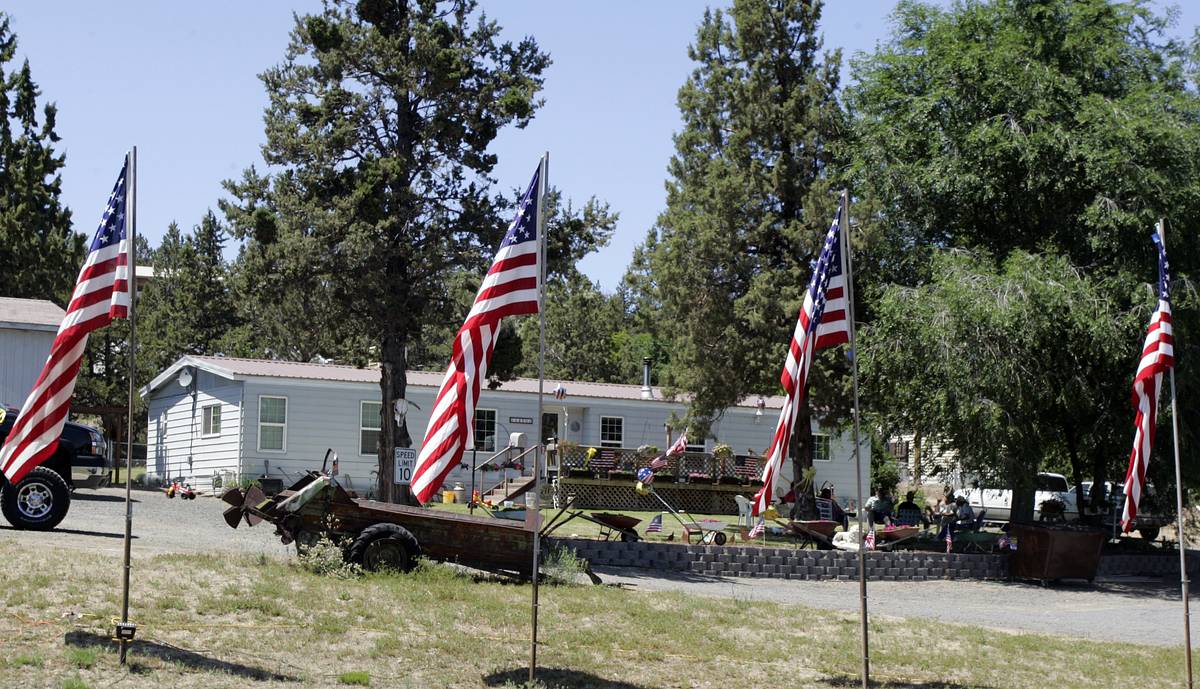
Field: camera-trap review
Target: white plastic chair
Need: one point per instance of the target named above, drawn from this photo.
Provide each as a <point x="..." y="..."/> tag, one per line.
<point x="745" y="511"/>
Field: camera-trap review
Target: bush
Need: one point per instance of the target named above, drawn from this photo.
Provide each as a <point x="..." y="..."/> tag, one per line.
<point x="326" y="558"/>
<point x="562" y="566"/>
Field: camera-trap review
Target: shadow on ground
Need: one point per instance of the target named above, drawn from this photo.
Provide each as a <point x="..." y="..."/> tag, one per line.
<point x="853" y="682"/>
<point x="76" y="532"/>
<point x="176" y="655"/>
<point x="556" y="678"/>
<point x="100" y="497"/>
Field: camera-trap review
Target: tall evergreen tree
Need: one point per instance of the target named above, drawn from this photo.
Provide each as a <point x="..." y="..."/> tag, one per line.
<point x="379" y="123"/>
<point x="39" y="254"/>
<point x="749" y="198"/>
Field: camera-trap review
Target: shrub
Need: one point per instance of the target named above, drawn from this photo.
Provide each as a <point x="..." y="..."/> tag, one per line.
<point x="562" y="566"/>
<point x="326" y="558"/>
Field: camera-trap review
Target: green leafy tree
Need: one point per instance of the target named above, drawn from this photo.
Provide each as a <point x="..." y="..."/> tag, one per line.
<point x="1066" y="127"/>
<point x="722" y="276"/>
<point x="378" y="128"/>
<point x="581" y="324"/>
<point x="41" y="256"/>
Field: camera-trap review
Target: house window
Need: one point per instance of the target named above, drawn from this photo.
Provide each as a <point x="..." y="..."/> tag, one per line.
<point x="272" y="423"/>
<point x="612" y="431"/>
<point x="370" y="423"/>
<point x="821" y="448"/>
<point x="485" y="429"/>
<point x="210" y="420"/>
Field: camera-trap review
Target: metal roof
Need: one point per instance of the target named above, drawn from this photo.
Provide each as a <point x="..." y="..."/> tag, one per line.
<point x="236" y="369"/>
<point x="30" y="314"/>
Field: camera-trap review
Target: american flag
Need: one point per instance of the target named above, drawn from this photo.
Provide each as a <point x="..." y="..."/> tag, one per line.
<point x="510" y="288"/>
<point x="758" y="529"/>
<point x="1158" y="356"/>
<point x="655" y="525"/>
<point x="101" y="294"/>
<point x="869" y="540"/>
<point x="679" y="446"/>
<point x="822" y="323"/>
<point x="659" y="462"/>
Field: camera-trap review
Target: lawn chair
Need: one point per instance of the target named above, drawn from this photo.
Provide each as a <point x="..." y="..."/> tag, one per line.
<point x="745" y="511"/>
<point x="825" y="509"/>
<point x="908" y="517"/>
<point x="972" y="539"/>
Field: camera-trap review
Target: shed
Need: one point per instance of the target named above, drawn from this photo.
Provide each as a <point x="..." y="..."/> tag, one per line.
<point x="228" y="418"/>
<point x="27" y="329"/>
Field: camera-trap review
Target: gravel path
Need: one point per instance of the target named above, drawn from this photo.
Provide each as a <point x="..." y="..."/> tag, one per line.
<point x="1143" y="611"/>
<point x="1135" y="610"/>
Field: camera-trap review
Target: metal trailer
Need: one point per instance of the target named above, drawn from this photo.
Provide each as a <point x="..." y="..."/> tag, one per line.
<point x="380" y="535"/>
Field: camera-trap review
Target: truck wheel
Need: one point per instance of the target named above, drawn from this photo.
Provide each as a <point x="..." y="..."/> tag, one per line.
<point x="37" y="502"/>
<point x="1149" y="533"/>
<point x="385" y="546"/>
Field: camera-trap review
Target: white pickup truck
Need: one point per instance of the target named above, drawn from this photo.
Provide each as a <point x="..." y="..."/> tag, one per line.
<point x="998" y="501"/>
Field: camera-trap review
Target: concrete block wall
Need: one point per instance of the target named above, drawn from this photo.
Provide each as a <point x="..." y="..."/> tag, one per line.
<point x="790" y="563"/>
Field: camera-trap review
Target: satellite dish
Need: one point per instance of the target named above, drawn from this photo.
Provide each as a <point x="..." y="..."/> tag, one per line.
<point x="185" y="378"/>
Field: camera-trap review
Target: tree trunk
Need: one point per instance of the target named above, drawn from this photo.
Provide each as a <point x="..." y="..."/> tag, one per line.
<point x="805" y="506"/>
<point x="393" y="383"/>
<point x="1076" y="468"/>
<point x="916" y="458"/>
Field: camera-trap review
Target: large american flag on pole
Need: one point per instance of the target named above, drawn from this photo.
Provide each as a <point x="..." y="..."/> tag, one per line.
<point x="1158" y="355"/>
<point x="822" y="323"/>
<point x="510" y="288"/>
<point x="101" y="294"/>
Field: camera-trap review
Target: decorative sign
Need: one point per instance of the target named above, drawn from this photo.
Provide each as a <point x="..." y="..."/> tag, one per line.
<point x="520" y="419"/>
<point x="406" y="461"/>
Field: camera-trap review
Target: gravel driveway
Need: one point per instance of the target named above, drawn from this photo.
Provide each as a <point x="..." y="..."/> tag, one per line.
<point x="1135" y="610"/>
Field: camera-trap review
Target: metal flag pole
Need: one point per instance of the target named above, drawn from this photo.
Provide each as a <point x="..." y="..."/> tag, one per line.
<point x="124" y="631"/>
<point x="539" y="454"/>
<point x="1183" y="575"/>
<point x="862" y="555"/>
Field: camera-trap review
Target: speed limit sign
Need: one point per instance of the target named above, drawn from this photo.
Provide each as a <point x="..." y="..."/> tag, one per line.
<point x="406" y="461"/>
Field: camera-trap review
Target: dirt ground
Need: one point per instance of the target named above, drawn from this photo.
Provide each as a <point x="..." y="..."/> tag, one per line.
<point x="1120" y="609"/>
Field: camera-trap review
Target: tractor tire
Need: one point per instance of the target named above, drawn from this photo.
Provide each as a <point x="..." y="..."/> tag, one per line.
<point x="385" y="547"/>
<point x="37" y="502"/>
<point x="1149" y="533"/>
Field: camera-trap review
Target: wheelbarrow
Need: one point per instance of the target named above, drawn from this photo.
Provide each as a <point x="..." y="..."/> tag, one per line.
<point x="611" y="525"/>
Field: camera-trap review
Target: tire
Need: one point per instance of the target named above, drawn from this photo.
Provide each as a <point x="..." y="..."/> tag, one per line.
<point x="629" y="537"/>
<point x="719" y="538"/>
<point x="1149" y="533"/>
<point x="37" y="502"/>
<point x="385" y="546"/>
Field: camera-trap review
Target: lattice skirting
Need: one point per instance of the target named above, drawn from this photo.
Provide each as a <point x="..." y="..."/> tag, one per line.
<point x="613" y="495"/>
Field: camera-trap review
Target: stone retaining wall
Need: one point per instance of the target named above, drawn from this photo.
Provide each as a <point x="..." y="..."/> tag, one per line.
<point x="790" y="563"/>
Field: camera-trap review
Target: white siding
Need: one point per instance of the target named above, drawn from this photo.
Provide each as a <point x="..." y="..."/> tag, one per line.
<point x="22" y="355"/>
<point x="175" y="446"/>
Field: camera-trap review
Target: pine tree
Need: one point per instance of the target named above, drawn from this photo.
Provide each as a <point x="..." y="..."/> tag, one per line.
<point x="379" y="123"/>
<point x="749" y="197"/>
<point x="39" y="254"/>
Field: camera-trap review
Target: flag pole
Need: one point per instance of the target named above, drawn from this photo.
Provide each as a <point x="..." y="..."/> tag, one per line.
<point x="131" y="257"/>
<point x="539" y="453"/>
<point x="862" y="555"/>
<point x="1183" y="575"/>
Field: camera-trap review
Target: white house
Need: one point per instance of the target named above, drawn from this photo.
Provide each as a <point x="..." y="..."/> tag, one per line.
<point x="27" y="329"/>
<point x="229" y="417"/>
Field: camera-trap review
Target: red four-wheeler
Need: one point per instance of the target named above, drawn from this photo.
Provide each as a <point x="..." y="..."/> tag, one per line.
<point x="40" y="500"/>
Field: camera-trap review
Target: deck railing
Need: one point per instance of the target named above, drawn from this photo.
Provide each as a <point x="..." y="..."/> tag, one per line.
<point x="622" y="463"/>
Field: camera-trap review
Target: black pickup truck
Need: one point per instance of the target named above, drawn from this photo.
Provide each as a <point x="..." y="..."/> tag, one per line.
<point x="40" y="500"/>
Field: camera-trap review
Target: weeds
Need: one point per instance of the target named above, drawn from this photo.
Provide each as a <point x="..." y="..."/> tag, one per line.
<point x="74" y="683"/>
<point x="562" y="566"/>
<point x="356" y="677"/>
<point x="82" y="658"/>
<point x="325" y="558"/>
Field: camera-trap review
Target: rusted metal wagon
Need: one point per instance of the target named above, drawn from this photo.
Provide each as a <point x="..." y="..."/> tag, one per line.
<point x="382" y="535"/>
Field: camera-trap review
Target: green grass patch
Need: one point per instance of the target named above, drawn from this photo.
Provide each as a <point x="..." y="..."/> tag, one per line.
<point x="82" y="658"/>
<point x="75" y="682"/>
<point x="25" y="660"/>
<point x="356" y="678"/>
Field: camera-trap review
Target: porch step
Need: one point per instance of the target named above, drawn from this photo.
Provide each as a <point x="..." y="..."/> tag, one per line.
<point x="511" y="489"/>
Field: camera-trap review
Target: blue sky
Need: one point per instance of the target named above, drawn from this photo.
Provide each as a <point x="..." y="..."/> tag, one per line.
<point x="182" y="85"/>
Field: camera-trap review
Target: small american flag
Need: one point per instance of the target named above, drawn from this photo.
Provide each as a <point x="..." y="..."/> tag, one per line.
<point x="655" y="525"/>
<point x="1158" y="356"/>
<point x="679" y="446"/>
<point x="758" y="529"/>
<point x="659" y="462"/>
<point x="510" y="288"/>
<point x="101" y="294"/>
<point x="822" y="323"/>
<point x="949" y="540"/>
<point x="869" y="540"/>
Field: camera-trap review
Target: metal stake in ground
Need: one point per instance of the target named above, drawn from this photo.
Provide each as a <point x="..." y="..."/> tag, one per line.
<point x="125" y="630"/>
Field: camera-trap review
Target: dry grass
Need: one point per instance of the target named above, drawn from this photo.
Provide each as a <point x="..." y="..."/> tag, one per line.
<point x="236" y="621"/>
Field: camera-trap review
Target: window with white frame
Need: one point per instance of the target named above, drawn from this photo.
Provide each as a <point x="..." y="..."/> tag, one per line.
<point x="821" y="448"/>
<point x="693" y="446"/>
<point x="612" y="431"/>
<point x="485" y="430"/>
<point x="210" y="420"/>
<point x="370" y="423"/>
<point x="272" y="423"/>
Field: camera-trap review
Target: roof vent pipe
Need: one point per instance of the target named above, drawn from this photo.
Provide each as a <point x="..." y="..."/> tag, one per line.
<point x="646" y="392"/>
